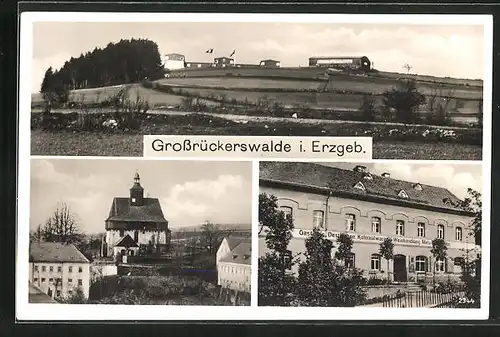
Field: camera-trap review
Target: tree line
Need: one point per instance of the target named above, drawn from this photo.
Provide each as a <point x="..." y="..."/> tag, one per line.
<point x="127" y="61"/>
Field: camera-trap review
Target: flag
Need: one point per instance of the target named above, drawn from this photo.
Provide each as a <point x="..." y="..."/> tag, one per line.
<point x="210" y="51"/>
<point x="234" y="51"/>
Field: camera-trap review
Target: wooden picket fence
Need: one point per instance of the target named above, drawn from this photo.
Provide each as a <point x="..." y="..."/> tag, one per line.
<point x="421" y="299"/>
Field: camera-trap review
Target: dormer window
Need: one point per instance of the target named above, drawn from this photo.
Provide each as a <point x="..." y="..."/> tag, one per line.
<point x="360" y="186"/>
<point x="417" y="187"/>
<point x="367" y="176"/>
<point x="402" y="194"/>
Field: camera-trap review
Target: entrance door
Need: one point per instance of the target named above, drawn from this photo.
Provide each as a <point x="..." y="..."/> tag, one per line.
<point x="400" y="274"/>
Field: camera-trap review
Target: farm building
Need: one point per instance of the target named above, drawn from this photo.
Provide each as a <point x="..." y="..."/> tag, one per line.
<point x="270" y="63"/>
<point x="224" y="62"/>
<point x="345" y="62"/>
<point x="194" y="65"/>
<point x="174" y="61"/>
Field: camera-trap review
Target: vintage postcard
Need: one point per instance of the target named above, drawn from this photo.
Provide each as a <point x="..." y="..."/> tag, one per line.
<point x="351" y="153"/>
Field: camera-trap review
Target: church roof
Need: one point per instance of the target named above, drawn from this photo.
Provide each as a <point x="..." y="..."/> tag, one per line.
<point x="343" y="182"/>
<point x="150" y="211"/>
<point x="55" y="252"/>
<point x="126" y="242"/>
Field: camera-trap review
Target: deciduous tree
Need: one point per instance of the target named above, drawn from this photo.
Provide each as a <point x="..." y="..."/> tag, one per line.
<point x="386" y="250"/>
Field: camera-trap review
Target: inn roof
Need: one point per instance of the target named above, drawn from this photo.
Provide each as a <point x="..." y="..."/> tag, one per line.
<point x="342" y="181"/>
<point x="150" y="211"/>
<point x="240" y="254"/>
<point x="55" y="252"/>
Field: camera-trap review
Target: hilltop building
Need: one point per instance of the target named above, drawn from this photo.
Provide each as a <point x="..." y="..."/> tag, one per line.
<point x="371" y="208"/>
<point x="174" y="61"/>
<point x="224" y="62"/>
<point x="270" y="63"/>
<point x="57" y="270"/>
<point x="344" y="62"/>
<point x="135" y="222"/>
<point x="234" y="259"/>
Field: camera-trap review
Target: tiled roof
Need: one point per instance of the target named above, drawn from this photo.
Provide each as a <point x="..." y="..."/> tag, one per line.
<point x="55" y="252"/>
<point x="121" y="210"/>
<point x="126" y="242"/>
<point x="343" y="181"/>
<point x="241" y="254"/>
<point x="35" y="295"/>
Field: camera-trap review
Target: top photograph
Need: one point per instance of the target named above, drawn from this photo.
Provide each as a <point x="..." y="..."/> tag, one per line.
<point x="93" y="84"/>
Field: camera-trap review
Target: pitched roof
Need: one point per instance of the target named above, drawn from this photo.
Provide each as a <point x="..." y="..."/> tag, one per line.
<point x="343" y="181"/>
<point x="126" y="242"/>
<point x="241" y="254"/>
<point x="234" y="242"/>
<point x="35" y="295"/>
<point x="55" y="252"/>
<point x="150" y="211"/>
<point x="335" y="57"/>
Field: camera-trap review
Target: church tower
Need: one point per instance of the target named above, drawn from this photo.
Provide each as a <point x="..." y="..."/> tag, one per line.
<point x="137" y="192"/>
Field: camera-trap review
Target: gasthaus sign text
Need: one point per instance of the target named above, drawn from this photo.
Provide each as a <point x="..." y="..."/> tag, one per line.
<point x="258" y="147"/>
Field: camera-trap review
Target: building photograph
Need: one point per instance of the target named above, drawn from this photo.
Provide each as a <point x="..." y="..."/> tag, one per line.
<point x="140" y="232"/>
<point x="406" y="225"/>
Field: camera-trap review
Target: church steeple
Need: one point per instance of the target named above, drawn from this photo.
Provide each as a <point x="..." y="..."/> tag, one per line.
<point x="137" y="192"/>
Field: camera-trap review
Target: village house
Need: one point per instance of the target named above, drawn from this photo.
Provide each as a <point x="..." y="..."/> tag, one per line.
<point x="234" y="261"/>
<point x="135" y="222"/>
<point x="58" y="269"/>
<point x="370" y="208"/>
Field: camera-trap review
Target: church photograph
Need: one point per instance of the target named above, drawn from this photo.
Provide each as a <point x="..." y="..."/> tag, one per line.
<point x="139" y="231"/>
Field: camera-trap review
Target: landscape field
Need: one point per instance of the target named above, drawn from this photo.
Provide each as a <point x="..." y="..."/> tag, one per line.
<point x="196" y="103"/>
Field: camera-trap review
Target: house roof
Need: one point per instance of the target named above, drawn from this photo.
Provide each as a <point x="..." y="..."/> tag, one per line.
<point x="150" y="211"/>
<point x="234" y="242"/>
<point x="269" y="60"/>
<point x="126" y="242"/>
<point x="55" y="252"/>
<point x="241" y="254"/>
<point x="35" y="295"/>
<point x="342" y="181"/>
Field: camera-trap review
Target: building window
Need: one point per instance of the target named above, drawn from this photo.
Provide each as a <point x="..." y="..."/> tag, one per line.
<point x="403" y="194"/>
<point x="80" y="282"/>
<point x="400" y="227"/>
<point x="359" y="185"/>
<point x="59" y="269"/>
<point x="44" y="268"/>
<point x="350" y="222"/>
<point x="35" y="279"/>
<point x="350" y="261"/>
<point x="318" y="219"/>
<point x="133" y="199"/>
<point x="43" y="279"/>
<point x="287" y="259"/>
<point x="375" y="262"/>
<point x="122" y="232"/>
<point x="376" y="224"/>
<point x="458" y="234"/>
<point x="287" y="210"/>
<point x="51" y="279"/>
<point x="70" y="292"/>
<point x="36" y="268"/>
<point x="51" y="268"/>
<point x="70" y="280"/>
<point x="440" y="264"/>
<point x="421" y="230"/>
<point x="420" y="264"/>
<point x="70" y="269"/>
<point x="80" y="269"/>
<point x="58" y="293"/>
<point x="440" y="232"/>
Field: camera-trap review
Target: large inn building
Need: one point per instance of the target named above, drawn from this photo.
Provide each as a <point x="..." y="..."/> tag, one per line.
<point x="370" y="208"/>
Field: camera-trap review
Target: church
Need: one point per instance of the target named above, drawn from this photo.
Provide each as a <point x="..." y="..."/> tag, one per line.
<point x="135" y="225"/>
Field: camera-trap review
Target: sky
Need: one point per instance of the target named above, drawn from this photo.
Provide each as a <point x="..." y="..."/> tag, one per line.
<point x="190" y="192"/>
<point x="457" y="178"/>
<point x="438" y="50"/>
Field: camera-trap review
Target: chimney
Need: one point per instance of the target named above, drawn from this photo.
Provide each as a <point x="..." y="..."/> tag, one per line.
<point x="360" y="168"/>
<point x="386" y="175"/>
